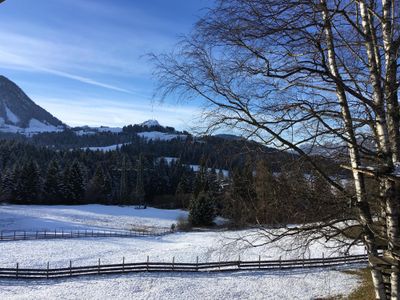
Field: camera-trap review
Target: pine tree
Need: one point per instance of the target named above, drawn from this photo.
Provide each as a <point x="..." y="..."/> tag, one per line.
<point x="267" y="208"/>
<point x="74" y="182"/>
<point x="28" y="184"/>
<point x="8" y="185"/>
<point x="202" y="210"/>
<point x="99" y="187"/>
<point x="139" y="189"/>
<point x="201" y="181"/>
<point x="53" y="187"/>
<point x="124" y="188"/>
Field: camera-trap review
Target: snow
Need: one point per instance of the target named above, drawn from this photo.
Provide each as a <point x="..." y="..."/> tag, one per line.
<point x="92" y="216"/>
<point x="196" y="168"/>
<point x="156" y="135"/>
<point x="109" y="129"/>
<point x="396" y="171"/>
<point x="105" y="148"/>
<point x="86" y="130"/>
<point x="169" y="159"/>
<point x="35" y="126"/>
<point x="177" y="286"/>
<point x="11" y="116"/>
<point x="150" y="123"/>
<point x="11" y="128"/>
<point x="183" y="246"/>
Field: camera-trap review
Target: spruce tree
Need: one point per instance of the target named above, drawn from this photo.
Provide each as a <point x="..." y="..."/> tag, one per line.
<point x="8" y="185"/>
<point x="53" y="187"/>
<point x="139" y="189"/>
<point x="202" y="210"/>
<point x="28" y="184"/>
<point x="201" y="181"/>
<point x="74" y="182"/>
<point x="124" y="187"/>
<point x="99" y="187"/>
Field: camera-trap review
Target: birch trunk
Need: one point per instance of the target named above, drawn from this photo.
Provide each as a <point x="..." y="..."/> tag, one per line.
<point x="387" y="125"/>
<point x="359" y="183"/>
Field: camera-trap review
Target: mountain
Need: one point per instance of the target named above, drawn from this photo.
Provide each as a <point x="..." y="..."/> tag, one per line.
<point x="18" y="113"/>
<point x="150" y="123"/>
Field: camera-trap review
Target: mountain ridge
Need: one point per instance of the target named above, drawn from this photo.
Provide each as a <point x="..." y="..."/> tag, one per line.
<point x="19" y="113"/>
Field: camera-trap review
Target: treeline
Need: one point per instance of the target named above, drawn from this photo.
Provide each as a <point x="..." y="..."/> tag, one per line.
<point x="256" y="191"/>
<point x="254" y="194"/>
<point x="38" y="175"/>
<point x="78" y="138"/>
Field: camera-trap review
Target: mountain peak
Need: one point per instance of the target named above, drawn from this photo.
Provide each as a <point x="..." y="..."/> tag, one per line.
<point x="150" y="123"/>
<point x="19" y="113"/>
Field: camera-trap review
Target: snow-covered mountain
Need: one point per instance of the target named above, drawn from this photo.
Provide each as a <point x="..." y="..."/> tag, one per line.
<point x="150" y="123"/>
<point x="18" y="113"/>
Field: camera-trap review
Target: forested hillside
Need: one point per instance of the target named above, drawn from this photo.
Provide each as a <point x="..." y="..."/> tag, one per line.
<point x="241" y="179"/>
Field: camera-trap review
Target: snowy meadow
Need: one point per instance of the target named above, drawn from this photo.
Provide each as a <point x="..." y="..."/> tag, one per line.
<point x="216" y="245"/>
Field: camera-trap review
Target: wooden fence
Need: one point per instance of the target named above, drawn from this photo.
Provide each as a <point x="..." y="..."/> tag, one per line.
<point x="174" y="266"/>
<point x="17" y="235"/>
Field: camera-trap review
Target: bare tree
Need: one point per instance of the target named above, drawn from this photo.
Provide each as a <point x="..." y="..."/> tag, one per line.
<point x="302" y="72"/>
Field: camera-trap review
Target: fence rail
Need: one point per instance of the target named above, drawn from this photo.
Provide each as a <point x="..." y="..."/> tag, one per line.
<point x="148" y="266"/>
<point x="17" y="235"/>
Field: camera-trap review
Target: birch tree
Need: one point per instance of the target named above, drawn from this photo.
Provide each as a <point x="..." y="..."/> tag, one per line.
<point x="309" y="72"/>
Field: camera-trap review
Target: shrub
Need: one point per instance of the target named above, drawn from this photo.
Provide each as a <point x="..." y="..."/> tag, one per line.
<point x="183" y="224"/>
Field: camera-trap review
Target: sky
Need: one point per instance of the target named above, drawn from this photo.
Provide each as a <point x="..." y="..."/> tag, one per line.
<point x="85" y="60"/>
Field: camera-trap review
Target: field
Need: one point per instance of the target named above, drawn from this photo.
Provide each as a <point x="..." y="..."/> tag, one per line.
<point x="182" y="246"/>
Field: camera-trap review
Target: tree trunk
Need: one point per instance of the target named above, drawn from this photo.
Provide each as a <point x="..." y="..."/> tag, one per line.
<point x="362" y="203"/>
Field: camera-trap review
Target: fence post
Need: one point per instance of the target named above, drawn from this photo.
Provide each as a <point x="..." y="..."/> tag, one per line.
<point x="98" y="270"/>
<point x="14" y="234"/>
<point x="280" y="262"/>
<point x="173" y="263"/>
<point x="70" y="268"/>
<point x="62" y="233"/>
<point x="92" y="232"/>
<point x="24" y="234"/>
<point x="303" y="260"/>
<point x="44" y="233"/>
<point x="147" y="266"/>
<point x="1" y="236"/>
<point x="197" y="263"/>
<point x="323" y="259"/>
<point x="16" y="270"/>
<point x="47" y="273"/>
<point x="36" y="234"/>
<point x="259" y="261"/>
<point x="123" y="264"/>
<point x="239" y="262"/>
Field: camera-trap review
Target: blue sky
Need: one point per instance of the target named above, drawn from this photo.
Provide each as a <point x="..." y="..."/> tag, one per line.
<point x="83" y="60"/>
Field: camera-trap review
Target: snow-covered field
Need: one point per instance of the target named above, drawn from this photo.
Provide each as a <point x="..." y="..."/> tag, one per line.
<point x="166" y="286"/>
<point x="156" y="135"/>
<point x="93" y="216"/>
<point x="105" y="148"/>
<point x="185" y="247"/>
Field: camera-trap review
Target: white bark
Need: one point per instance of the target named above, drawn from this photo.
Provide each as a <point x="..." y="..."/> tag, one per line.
<point x="366" y="219"/>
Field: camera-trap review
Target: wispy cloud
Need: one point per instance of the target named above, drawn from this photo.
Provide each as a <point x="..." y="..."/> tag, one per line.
<point x="36" y="55"/>
<point x="95" y="50"/>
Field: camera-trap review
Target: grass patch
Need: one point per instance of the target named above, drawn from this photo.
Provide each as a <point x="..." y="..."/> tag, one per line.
<point x="365" y="291"/>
